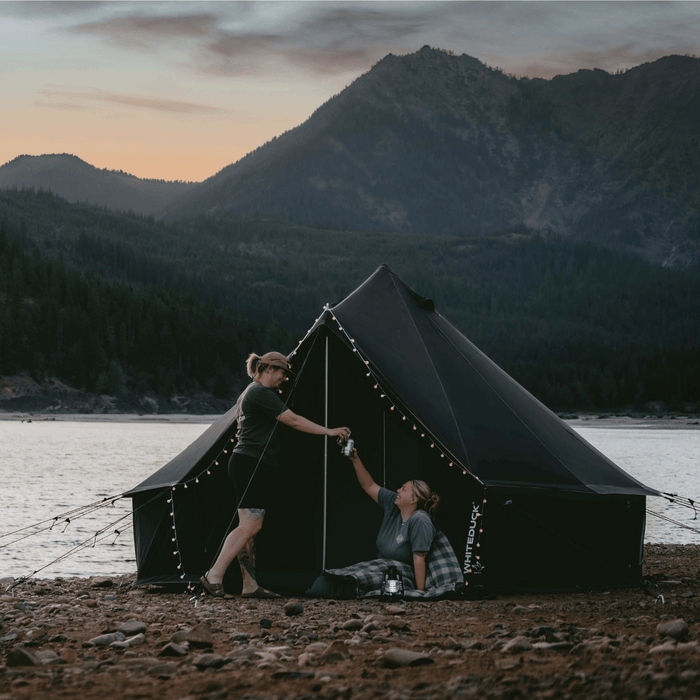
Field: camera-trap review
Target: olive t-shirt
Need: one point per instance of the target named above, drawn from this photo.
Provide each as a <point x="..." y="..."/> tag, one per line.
<point x="258" y="408"/>
<point x="398" y="540"/>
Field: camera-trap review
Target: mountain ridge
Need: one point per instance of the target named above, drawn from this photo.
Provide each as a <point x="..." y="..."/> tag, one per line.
<point x="432" y="142"/>
<point x="72" y="178"/>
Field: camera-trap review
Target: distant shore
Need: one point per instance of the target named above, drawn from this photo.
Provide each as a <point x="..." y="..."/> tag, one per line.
<point x="581" y="420"/>
<point x="109" y="417"/>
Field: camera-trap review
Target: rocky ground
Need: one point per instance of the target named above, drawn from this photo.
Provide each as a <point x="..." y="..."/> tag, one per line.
<point x="97" y="638"/>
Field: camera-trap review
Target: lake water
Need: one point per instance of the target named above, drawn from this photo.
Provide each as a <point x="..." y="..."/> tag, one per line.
<point x="50" y="468"/>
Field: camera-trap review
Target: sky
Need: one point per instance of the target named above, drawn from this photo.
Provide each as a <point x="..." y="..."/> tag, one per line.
<point x="179" y="90"/>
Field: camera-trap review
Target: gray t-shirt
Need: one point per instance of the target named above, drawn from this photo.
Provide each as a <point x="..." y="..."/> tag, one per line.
<point x="258" y="408"/>
<point x="398" y="540"/>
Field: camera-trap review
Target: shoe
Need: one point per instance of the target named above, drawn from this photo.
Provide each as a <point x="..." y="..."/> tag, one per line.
<point x="260" y="593"/>
<point x="213" y="589"/>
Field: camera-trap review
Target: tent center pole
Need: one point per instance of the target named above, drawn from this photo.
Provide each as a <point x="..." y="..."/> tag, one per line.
<point x="384" y="448"/>
<point x="325" y="464"/>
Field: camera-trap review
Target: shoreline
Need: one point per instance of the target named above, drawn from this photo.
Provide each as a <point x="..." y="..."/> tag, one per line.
<point x="682" y="421"/>
<point x="110" y="417"/>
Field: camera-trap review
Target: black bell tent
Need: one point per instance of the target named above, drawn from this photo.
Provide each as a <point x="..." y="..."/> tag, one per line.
<point x="527" y="503"/>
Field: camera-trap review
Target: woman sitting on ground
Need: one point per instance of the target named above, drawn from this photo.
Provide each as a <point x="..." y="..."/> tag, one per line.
<point x="406" y="535"/>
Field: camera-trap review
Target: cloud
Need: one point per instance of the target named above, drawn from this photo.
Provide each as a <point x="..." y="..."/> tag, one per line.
<point x="275" y="39"/>
<point x="146" y="32"/>
<point x="69" y="98"/>
<point x="246" y="39"/>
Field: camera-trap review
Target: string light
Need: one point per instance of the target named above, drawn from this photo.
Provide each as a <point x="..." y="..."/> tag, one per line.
<point x="376" y="385"/>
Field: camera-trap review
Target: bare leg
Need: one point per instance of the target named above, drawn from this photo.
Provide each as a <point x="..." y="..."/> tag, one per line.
<point x="250" y="522"/>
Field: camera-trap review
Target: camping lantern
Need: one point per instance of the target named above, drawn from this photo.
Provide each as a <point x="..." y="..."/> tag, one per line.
<point x="392" y="583"/>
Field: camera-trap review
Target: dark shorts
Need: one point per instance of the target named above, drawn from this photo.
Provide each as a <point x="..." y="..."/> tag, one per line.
<point x="256" y="484"/>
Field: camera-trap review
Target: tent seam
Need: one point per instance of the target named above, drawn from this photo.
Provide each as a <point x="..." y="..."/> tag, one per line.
<point x="442" y="386"/>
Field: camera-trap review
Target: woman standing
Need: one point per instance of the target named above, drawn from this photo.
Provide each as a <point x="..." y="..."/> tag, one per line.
<point x="253" y="465"/>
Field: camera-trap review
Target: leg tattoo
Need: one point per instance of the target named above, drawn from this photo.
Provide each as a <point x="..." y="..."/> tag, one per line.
<point x="246" y="560"/>
<point x="254" y="513"/>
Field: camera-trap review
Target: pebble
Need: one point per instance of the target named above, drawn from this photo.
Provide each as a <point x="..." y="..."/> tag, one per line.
<point x="293" y="608"/>
<point x="395" y="610"/>
<point x="165" y="671"/>
<point x="132" y="627"/>
<point x="397" y="658"/>
<point x="517" y="645"/>
<point x="104" y="640"/>
<point x="673" y="628"/>
<point x="202" y="661"/>
<point x="172" y="649"/>
<point x="352" y="624"/>
<point x="200" y="636"/>
<point x="101" y="582"/>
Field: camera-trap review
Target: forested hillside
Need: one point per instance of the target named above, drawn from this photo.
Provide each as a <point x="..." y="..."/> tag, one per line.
<point x="117" y="303"/>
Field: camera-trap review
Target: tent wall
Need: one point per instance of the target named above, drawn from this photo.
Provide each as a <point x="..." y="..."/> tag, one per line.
<point x="561" y="541"/>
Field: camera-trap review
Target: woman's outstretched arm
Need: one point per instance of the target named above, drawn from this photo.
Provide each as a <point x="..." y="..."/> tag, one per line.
<point x="294" y="420"/>
<point x="368" y="484"/>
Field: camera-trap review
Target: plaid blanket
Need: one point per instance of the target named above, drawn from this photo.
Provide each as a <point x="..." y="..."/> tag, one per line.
<point x="443" y="573"/>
